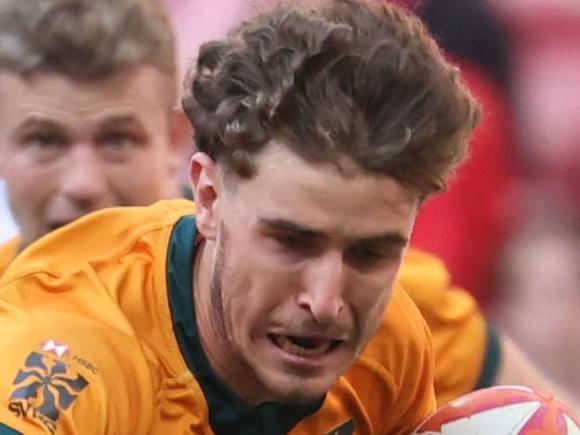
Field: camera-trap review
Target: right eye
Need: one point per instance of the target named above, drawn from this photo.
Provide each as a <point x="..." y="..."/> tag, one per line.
<point x="289" y="242"/>
<point x="294" y="245"/>
<point x="45" y="145"/>
<point x="44" y="140"/>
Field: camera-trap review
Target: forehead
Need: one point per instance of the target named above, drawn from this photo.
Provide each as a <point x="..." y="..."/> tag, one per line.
<point x="345" y="201"/>
<point x="139" y="91"/>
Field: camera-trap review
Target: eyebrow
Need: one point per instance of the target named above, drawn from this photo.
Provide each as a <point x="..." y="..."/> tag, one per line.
<point x="289" y="226"/>
<point x="119" y="121"/>
<point x="41" y="121"/>
<point x="385" y="240"/>
<point x="390" y="238"/>
<point x="36" y="122"/>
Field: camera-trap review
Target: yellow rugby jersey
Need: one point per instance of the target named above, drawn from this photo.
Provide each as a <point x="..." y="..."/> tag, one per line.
<point x="99" y="337"/>
<point x="466" y="348"/>
<point x="8" y="251"/>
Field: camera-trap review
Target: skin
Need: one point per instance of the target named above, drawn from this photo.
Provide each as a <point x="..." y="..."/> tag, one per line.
<point x="69" y="147"/>
<point x="286" y="254"/>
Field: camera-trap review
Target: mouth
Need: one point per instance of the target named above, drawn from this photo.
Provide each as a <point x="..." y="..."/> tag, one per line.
<point x="306" y="347"/>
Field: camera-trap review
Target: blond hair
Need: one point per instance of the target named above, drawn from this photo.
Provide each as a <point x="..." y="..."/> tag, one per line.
<point x="85" y="39"/>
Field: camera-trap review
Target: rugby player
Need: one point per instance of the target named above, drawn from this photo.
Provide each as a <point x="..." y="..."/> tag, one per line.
<point x="272" y="306"/>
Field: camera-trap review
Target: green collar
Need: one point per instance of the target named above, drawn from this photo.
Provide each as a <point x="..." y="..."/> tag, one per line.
<point x="228" y="413"/>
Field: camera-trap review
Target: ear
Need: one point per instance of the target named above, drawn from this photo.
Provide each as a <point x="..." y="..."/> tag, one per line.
<point x="207" y="190"/>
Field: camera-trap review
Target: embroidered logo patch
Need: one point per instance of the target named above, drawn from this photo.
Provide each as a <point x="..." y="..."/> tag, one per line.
<point x="47" y="386"/>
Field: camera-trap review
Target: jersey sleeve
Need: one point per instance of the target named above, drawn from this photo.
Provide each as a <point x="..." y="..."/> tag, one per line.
<point x="63" y="374"/>
<point x="463" y="342"/>
<point x="460" y="343"/>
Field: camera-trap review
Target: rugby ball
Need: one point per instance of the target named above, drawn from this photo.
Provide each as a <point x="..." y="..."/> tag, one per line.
<point x="502" y="410"/>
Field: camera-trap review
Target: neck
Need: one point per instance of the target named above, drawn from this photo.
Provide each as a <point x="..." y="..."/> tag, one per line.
<point x="225" y="362"/>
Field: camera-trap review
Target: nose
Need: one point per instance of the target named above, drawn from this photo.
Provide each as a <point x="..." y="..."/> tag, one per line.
<point x="83" y="179"/>
<point x="323" y="287"/>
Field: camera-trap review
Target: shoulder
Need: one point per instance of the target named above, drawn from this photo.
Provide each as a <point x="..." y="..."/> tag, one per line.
<point x="65" y="312"/>
<point x="427" y="281"/>
<point x="99" y="237"/>
<point x="98" y="266"/>
<point x="424" y="277"/>
<point x="63" y="369"/>
<point x="462" y="339"/>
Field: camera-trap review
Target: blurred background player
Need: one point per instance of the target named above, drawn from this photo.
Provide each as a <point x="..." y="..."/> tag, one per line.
<point x="87" y="118"/>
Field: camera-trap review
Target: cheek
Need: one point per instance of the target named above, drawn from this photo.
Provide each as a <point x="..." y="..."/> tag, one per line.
<point x="258" y="286"/>
<point x="20" y="166"/>
<point x="255" y="287"/>
<point x="30" y="186"/>
<point x="137" y="181"/>
<point x="159" y="156"/>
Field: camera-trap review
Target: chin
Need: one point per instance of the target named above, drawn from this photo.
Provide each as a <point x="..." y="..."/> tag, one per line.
<point x="288" y="387"/>
<point x="295" y="379"/>
<point x="301" y="391"/>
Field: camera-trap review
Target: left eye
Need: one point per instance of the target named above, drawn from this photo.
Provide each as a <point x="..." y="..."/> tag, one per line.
<point x="366" y="257"/>
<point x="119" y="145"/>
<point x="119" y="139"/>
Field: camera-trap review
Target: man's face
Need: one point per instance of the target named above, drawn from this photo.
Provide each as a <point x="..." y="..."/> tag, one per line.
<point x="306" y="258"/>
<point x="68" y="147"/>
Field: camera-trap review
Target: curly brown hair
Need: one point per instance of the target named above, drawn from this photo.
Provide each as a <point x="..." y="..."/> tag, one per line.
<point x="85" y="39"/>
<point x="352" y="78"/>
